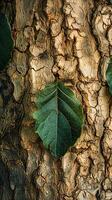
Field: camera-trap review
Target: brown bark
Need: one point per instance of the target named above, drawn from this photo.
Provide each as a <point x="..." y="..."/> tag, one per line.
<point x="70" y="40"/>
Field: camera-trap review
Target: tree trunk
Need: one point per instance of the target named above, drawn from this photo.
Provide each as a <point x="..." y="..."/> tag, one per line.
<point x="71" y="40"/>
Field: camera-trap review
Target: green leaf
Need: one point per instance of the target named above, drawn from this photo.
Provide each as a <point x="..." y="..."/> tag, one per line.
<point x="109" y="75"/>
<point x="6" y="42"/>
<point x="59" y="118"/>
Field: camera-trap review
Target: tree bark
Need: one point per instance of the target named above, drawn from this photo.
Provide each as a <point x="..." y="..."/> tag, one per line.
<point x="72" y="41"/>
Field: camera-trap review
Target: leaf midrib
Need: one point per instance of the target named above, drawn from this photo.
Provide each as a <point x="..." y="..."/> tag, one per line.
<point x="56" y="120"/>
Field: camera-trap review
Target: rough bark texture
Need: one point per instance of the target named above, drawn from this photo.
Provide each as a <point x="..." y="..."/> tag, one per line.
<point x="71" y="40"/>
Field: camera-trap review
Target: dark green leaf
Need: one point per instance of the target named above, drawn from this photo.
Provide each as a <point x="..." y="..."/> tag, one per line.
<point x="59" y="118"/>
<point x="109" y="75"/>
<point x="6" y="42"/>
